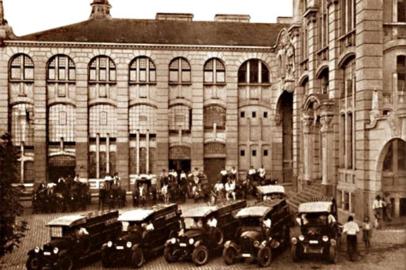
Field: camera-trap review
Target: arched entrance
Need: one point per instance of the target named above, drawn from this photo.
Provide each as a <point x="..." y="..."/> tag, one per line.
<point x="179" y="158"/>
<point x="285" y="110"/>
<point x="61" y="166"/>
<point x="214" y="160"/>
<point x="392" y="165"/>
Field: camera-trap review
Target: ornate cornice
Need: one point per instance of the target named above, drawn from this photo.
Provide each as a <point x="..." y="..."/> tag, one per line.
<point x="132" y="46"/>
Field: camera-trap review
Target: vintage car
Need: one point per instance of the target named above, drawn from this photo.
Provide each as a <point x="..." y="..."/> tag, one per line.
<point x="271" y="192"/>
<point x="204" y="230"/>
<point x="319" y="231"/>
<point x="74" y="238"/>
<point x="264" y="230"/>
<point x="144" y="234"/>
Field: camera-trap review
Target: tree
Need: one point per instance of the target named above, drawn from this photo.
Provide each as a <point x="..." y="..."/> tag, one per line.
<point x="11" y="231"/>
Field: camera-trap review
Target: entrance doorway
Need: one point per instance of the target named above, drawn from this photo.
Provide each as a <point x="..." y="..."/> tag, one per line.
<point x="286" y="114"/>
<point x="180" y="165"/>
<point x="61" y="166"/>
<point x="212" y="168"/>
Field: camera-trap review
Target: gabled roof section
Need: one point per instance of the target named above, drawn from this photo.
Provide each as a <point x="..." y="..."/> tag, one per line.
<point x="163" y="32"/>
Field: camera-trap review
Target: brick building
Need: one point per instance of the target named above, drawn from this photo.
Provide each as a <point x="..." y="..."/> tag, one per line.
<point x="318" y="98"/>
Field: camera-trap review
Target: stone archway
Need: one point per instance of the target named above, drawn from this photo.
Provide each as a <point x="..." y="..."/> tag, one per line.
<point x="61" y="166"/>
<point x="392" y="174"/>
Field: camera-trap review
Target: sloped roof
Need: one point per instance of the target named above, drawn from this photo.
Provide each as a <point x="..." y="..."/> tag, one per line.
<point x="162" y="32"/>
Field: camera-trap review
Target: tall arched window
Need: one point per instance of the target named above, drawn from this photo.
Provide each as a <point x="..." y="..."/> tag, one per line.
<point x="142" y="71"/>
<point x="214" y="72"/>
<point x="401" y="10"/>
<point x="179" y="71"/>
<point x="61" y="123"/>
<point x="21" y="74"/>
<point x="401" y="74"/>
<point x="253" y="71"/>
<point x="102" y="70"/>
<point x="60" y="77"/>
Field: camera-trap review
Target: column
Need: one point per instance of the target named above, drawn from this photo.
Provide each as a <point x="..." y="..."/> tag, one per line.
<point x="147" y="146"/>
<point x="97" y="156"/>
<point x="232" y="116"/>
<point x="197" y="132"/>
<point x="308" y="148"/>
<point x="40" y="127"/>
<point x="108" y="154"/>
<point x="328" y="165"/>
<point x="137" y="150"/>
<point x="4" y="91"/>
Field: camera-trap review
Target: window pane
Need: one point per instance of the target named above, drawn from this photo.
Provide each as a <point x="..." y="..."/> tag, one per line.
<point x="51" y="74"/>
<point x="209" y="65"/>
<point x="133" y="75"/>
<point x="102" y="75"/>
<point x="174" y="65"/>
<point x="72" y="74"/>
<point x="242" y="73"/>
<point x="208" y="76"/>
<point x="152" y="76"/>
<point x="219" y="65"/>
<point x="221" y="77"/>
<point x="103" y="118"/>
<point x="62" y="118"/>
<point x="112" y="75"/>
<point x="265" y="74"/>
<point x="401" y="11"/>
<point x="173" y="76"/>
<point x="29" y="73"/>
<point x="93" y="75"/>
<point x="143" y="75"/>
<point x="62" y="74"/>
<point x="186" y="76"/>
<point x="15" y="73"/>
<point x="254" y="71"/>
<point x="185" y="64"/>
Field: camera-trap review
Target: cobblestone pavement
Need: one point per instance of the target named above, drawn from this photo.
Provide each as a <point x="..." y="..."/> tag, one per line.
<point x="380" y="257"/>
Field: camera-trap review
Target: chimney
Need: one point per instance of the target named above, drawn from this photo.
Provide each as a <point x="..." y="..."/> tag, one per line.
<point x="241" y="18"/>
<point x="187" y="17"/>
<point x="284" y="20"/>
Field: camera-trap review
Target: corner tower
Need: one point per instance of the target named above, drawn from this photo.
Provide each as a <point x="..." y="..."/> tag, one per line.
<point x="100" y="9"/>
<point x="5" y="30"/>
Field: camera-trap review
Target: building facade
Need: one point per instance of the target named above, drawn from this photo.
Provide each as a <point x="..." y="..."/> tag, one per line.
<point x="318" y="98"/>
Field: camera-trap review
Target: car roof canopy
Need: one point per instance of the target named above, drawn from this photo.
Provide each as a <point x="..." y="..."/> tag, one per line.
<point x="315" y="207"/>
<point x="199" y="211"/>
<point x="136" y="215"/>
<point x="253" y="211"/>
<point x="269" y="189"/>
<point x="68" y="221"/>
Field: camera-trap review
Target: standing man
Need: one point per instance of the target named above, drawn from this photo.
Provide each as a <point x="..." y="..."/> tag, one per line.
<point x="351" y="229"/>
<point x="377" y="207"/>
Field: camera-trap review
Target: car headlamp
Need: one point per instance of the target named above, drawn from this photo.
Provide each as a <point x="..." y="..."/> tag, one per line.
<point x="325" y="238"/>
<point x="294" y="240"/>
<point x="191" y="241"/>
<point x="172" y="240"/>
<point x="263" y="244"/>
<point x="36" y="249"/>
<point x="109" y="244"/>
<point x="129" y="244"/>
<point x="56" y="250"/>
<point x="301" y="237"/>
<point x="256" y="243"/>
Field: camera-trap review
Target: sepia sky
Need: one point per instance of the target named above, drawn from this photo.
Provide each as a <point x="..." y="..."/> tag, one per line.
<point x="29" y="16"/>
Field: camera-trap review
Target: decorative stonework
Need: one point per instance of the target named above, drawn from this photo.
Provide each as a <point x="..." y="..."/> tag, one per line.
<point x="325" y="121"/>
<point x="331" y="2"/>
<point x="311" y="15"/>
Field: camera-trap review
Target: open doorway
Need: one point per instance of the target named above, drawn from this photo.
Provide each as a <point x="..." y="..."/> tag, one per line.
<point x="180" y="165"/>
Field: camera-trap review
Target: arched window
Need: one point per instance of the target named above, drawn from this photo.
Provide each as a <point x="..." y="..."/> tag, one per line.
<point x="179" y="71"/>
<point x="102" y="121"/>
<point x="401" y="10"/>
<point x="214" y="115"/>
<point x="61" y="69"/>
<point x="22" y="69"/>
<point x="214" y="72"/>
<point x="142" y="71"/>
<point x="253" y="71"/>
<point x="102" y="70"/>
<point x="60" y="77"/>
<point x="22" y="124"/>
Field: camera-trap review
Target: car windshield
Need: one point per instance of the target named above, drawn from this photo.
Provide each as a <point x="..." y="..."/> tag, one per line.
<point x="193" y="223"/>
<point x="314" y="219"/>
<point x="250" y="222"/>
<point x="273" y="196"/>
<point x="56" y="232"/>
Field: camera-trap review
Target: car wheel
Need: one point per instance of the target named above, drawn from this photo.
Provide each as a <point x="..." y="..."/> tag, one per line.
<point x="170" y="254"/>
<point x="137" y="257"/>
<point x="264" y="256"/>
<point x="218" y="236"/>
<point x="200" y="255"/>
<point x="33" y="263"/>
<point x="66" y="263"/>
<point x="295" y="253"/>
<point x="230" y="255"/>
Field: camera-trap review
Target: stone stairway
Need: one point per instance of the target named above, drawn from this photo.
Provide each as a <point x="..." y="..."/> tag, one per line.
<point x="309" y="193"/>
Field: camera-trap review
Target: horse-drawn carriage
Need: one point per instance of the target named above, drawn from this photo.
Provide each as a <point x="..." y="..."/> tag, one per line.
<point x="61" y="197"/>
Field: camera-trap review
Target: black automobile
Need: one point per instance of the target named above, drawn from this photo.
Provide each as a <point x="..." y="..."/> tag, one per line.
<point x="145" y="231"/>
<point x="319" y="232"/>
<point x="73" y="239"/>
<point x="271" y="192"/>
<point x="204" y="230"/>
<point x="264" y="231"/>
